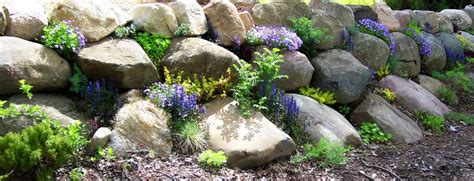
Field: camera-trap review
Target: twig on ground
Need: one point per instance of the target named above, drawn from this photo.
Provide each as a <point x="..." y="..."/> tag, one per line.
<point x="381" y="168"/>
<point x="365" y="175"/>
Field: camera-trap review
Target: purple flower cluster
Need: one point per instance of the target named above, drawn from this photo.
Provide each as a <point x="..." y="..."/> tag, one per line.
<point x="173" y="98"/>
<point x="423" y="44"/>
<point x="275" y="37"/>
<point x="101" y="99"/>
<point x="454" y="57"/>
<point x="63" y="37"/>
<point x="379" y="30"/>
<point x="281" y="107"/>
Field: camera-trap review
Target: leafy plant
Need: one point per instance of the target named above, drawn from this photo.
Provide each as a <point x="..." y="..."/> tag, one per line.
<point x="154" y="45"/>
<point x="191" y="137"/>
<point x="464" y="41"/>
<point x="78" y="80"/>
<point x="387" y="94"/>
<point x="383" y="71"/>
<point x="457" y="116"/>
<point x="205" y="88"/>
<point x="448" y="95"/>
<point x="310" y="36"/>
<point x="76" y="174"/>
<point x="212" y="159"/>
<point x="274" y="37"/>
<point x="62" y="37"/>
<point x="379" y="30"/>
<point x="470" y="60"/>
<point x="456" y="78"/>
<point x="371" y="133"/>
<point x="125" y="31"/>
<point x="414" y="31"/>
<point x="325" y="152"/>
<point x="182" y="30"/>
<point x="433" y="123"/>
<point x="26" y="88"/>
<point x="323" y="97"/>
<point x="344" y="110"/>
<point x="101" y="100"/>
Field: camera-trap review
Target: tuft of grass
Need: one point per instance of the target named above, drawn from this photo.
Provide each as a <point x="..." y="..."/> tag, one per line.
<point x="457" y="116"/>
<point x="433" y="123"/>
<point x="191" y="137"/>
<point x="325" y="152"/>
<point x="448" y="95"/>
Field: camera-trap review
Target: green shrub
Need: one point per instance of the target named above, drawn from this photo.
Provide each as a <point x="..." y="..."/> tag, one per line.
<point x="456" y="116"/>
<point x="371" y="133"/>
<point x="154" y="45"/>
<point x="326" y="153"/>
<point x="456" y="78"/>
<point x="431" y="122"/>
<point x="78" y="80"/>
<point x="76" y="174"/>
<point x="345" y="110"/>
<point x="125" y="31"/>
<point x="311" y="37"/>
<point x="322" y="97"/>
<point x="387" y="94"/>
<point x="64" y="38"/>
<point x="212" y="159"/>
<point x="448" y="95"/>
<point x="205" y="88"/>
<point x="182" y="30"/>
<point x="464" y="41"/>
<point x="191" y="137"/>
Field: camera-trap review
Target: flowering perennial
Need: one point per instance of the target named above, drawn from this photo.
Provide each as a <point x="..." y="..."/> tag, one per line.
<point x="101" y="99"/>
<point x="275" y="37"/>
<point x="414" y="32"/>
<point x="379" y="30"/>
<point x="63" y="37"/>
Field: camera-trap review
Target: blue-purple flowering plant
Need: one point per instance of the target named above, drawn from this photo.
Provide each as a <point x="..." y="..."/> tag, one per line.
<point x="415" y="32"/>
<point x="63" y="37"/>
<point x="101" y="99"/>
<point x="274" y="37"/>
<point x="379" y="30"/>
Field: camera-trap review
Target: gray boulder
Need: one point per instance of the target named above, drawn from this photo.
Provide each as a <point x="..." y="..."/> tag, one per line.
<point x="279" y="13"/>
<point x="190" y="13"/>
<point x="154" y="18"/>
<point x="247" y="142"/>
<point x="332" y="27"/>
<point x="458" y="17"/>
<point x="414" y="97"/>
<point x="469" y="9"/>
<point x="376" y="109"/>
<point x="437" y="59"/>
<point x="453" y="48"/>
<point x="363" y="12"/>
<point x="320" y="121"/>
<point x="26" y="21"/>
<point x="445" y="24"/>
<point x="124" y="62"/>
<point x="100" y="139"/>
<point x="407" y="55"/>
<point x="363" y="46"/>
<point x="429" y="21"/>
<point x="225" y="21"/>
<point x="404" y="17"/>
<point x="40" y="66"/>
<point x="430" y="84"/>
<point x="342" y="12"/>
<point x="298" y="69"/>
<point x="340" y="72"/>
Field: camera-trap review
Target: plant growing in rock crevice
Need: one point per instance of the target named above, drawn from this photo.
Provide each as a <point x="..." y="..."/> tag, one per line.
<point x="63" y="37"/>
<point x="101" y="99"/>
<point x="387" y="94"/>
<point x="310" y="36"/>
<point x="414" y="31"/>
<point x="371" y="133"/>
<point x="431" y="122"/>
<point x="275" y="37"/>
<point x="323" y="97"/>
<point x="154" y="45"/>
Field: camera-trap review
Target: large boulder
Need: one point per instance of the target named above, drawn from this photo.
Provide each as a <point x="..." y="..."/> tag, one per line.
<point x="154" y="18"/>
<point x="342" y="12"/>
<point x="436" y="60"/>
<point x="363" y="46"/>
<point x="57" y="107"/>
<point x="404" y="17"/>
<point x="225" y="21"/>
<point x="4" y="16"/>
<point x="469" y="9"/>
<point x="386" y="16"/>
<point x="40" y="66"/>
<point x="430" y="84"/>
<point x="340" y="72"/>
<point x="459" y="18"/>
<point x="246" y="20"/>
<point x="332" y="27"/>
<point x="445" y="24"/>
<point x="363" y="12"/>
<point x="428" y="20"/>
<point x="122" y="61"/>
<point x="247" y="142"/>
<point x="298" y="69"/>
<point x="190" y="13"/>
<point x="26" y="21"/>
<point x="95" y="19"/>
<point x="414" y="97"/>
<point x="407" y="55"/>
<point x="140" y="125"/>
<point x="198" y="56"/>
<point x="453" y="48"/>
<point x="279" y="13"/>
<point x="391" y="120"/>
<point x="320" y="121"/>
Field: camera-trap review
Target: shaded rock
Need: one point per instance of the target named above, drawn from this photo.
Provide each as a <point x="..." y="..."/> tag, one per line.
<point x="445" y="24"/>
<point x="247" y="20"/>
<point x="298" y="69"/>
<point x="100" y="139"/>
<point x="469" y="9"/>
<point x="279" y="13"/>
<point x="453" y="48"/>
<point x="198" y="56"/>
<point x="332" y="27"/>
<point x="437" y="59"/>
<point x="57" y="107"/>
<point x="407" y="55"/>
<point x="320" y="121"/>
<point x="363" y="46"/>
<point x="154" y="18"/>
<point x="225" y="22"/>
<point x="404" y="17"/>
<point x="190" y="13"/>
<point x="26" y="21"/>
<point x="363" y="12"/>
<point x="141" y="125"/>
<point x="4" y="15"/>
<point x="386" y="16"/>
<point x="414" y="97"/>
<point x="458" y="17"/>
<point x="247" y="142"/>
<point x="430" y="84"/>
<point x="40" y="66"/>
<point x="376" y="109"/>
<point x="95" y="19"/>
<point x="125" y="61"/>
<point x="429" y="21"/>
<point x="342" y="12"/>
<point x="468" y="49"/>
<point x="340" y="72"/>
